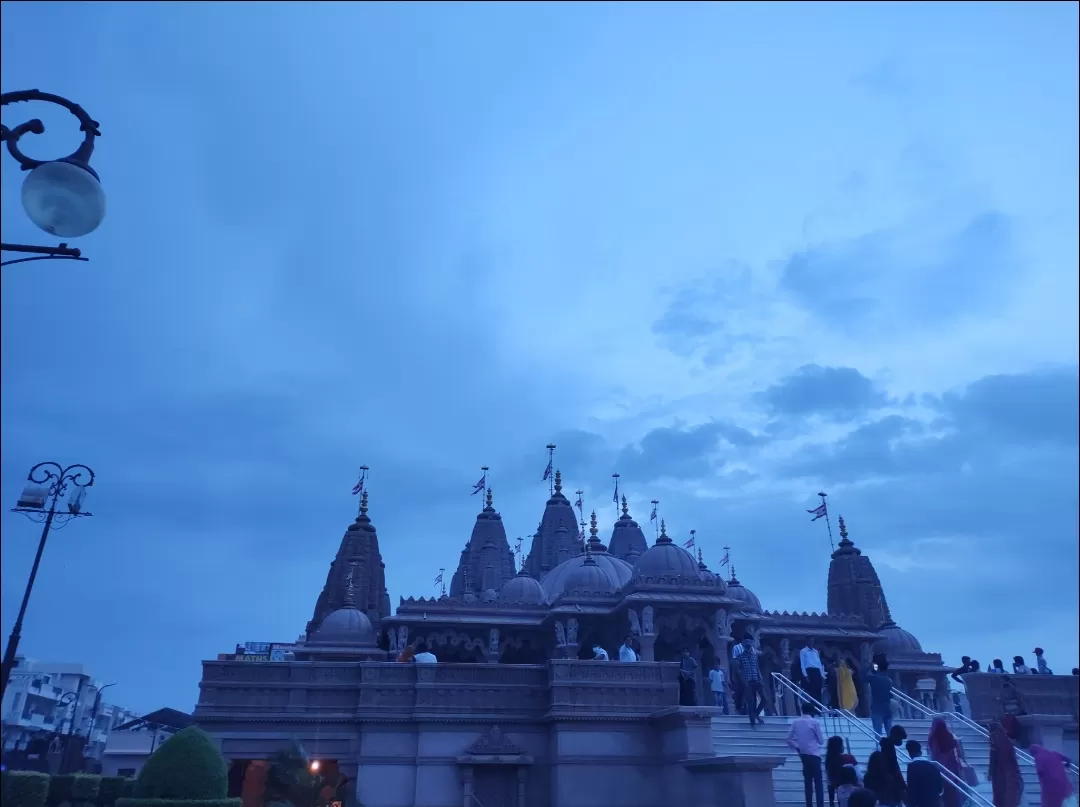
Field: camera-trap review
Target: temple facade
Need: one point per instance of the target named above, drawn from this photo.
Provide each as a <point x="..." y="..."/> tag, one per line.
<point x="516" y="712"/>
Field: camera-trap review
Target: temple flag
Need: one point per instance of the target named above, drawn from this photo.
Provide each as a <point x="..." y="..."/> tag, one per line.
<point x="821" y="511"/>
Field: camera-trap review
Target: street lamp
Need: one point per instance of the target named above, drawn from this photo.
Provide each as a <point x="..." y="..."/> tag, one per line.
<point x="48" y="483"/>
<point x="63" y="197"/>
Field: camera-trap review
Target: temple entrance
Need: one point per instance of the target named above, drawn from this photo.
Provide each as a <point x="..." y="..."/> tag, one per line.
<point x="528" y="653"/>
<point x="495" y="786"/>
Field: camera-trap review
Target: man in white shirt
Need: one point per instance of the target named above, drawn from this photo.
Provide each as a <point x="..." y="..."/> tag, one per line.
<point x="718" y="684"/>
<point x="423" y="655"/>
<point x="599" y="654"/>
<point x="812" y="669"/>
<point x="626" y="652"/>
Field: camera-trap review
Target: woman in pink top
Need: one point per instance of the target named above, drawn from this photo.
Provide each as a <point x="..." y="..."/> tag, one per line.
<point x="1053" y="776"/>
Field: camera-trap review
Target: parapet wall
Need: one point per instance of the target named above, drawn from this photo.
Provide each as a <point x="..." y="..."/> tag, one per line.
<point x="992" y="695"/>
<point x="390" y="691"/>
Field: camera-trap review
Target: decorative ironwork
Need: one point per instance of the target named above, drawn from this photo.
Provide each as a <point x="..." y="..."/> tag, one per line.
<point x="81" y="157"/>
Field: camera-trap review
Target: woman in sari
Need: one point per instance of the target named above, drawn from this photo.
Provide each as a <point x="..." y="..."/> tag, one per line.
<point x="945" y="750"/>
<point x="1008" y="785"/>
<point x="1053" y="776"/>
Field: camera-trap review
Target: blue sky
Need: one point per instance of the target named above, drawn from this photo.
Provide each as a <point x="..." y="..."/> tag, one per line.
<point x="737" y="253"/>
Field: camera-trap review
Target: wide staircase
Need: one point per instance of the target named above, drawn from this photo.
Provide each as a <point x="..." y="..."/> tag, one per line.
<point x="734" y="736"/>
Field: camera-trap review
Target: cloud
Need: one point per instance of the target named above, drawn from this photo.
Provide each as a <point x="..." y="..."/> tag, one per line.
<point x="836" y="392"/>
<point x="925" y="272"/>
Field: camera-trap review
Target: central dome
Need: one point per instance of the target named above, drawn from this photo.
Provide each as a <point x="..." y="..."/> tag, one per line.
<point x="522" y="589"/>
<point x="607" y="572"/>
<point x="345" y="626"/>
<point x="665" y="559"/>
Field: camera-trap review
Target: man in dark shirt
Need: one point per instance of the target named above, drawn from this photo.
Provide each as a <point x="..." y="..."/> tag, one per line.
<point x="750" y="674"/>
<point x="880" y="697"/>
<point x="965" y="667"/>
<point x="687" y="685"/>
<point x="924" y="781"/>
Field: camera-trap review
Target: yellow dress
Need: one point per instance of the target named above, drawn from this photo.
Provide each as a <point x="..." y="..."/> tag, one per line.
<point x="845" y="686"/>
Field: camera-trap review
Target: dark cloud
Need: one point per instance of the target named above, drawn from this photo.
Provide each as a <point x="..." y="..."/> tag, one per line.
<point x="891" y="278"/>
<point x="835" y="392"/>
<point x="984" y="424"/>
<point x="1032" y="407"/>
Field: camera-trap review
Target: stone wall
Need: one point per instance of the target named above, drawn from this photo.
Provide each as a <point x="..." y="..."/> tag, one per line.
<point x="564" y="734"/>
<point x="991" y="695"/>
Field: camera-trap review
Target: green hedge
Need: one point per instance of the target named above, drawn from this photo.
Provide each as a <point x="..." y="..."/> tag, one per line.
<point x="60" y="789"/>
<point x="187" y="766"/>
<point x="85" y="787"/>
<point x="24" y="789"/>
<point x="112" y="788"/>
<point x="177" y="803"/>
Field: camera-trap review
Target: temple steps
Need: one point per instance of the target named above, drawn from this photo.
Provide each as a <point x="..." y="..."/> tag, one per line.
<point x="733" y="736"/>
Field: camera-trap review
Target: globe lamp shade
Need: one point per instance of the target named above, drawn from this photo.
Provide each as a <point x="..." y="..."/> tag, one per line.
<point x="64" y="199"/>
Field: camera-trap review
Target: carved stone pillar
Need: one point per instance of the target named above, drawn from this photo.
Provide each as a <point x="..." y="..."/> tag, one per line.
<point x="648" y="647"/>
<point x="491" y="651"/>
<point x="468" y="782"/>
<point x="521" y="794"/>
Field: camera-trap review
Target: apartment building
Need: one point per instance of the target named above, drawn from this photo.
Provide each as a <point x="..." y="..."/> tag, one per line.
<point x="46" y="698"/>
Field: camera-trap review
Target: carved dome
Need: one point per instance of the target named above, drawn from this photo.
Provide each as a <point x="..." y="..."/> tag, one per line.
<point x="746" y="598"/>
<point x="489" y="595"/>
<point x="665" y="559"/>
<point x="617" y="573"/>
<point x="522" y="589"/>
<point x="627" y="539"/>
<point x="345" y="626"/>
<point x="589" y="577"/>
<point x="896" y="641"/>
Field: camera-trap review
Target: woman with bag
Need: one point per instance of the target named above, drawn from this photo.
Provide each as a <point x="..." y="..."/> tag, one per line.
<point x="945" y="749"/>
<point x="1008" y="785"/>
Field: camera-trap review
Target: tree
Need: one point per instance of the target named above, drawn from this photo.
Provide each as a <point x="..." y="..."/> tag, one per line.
<point x="291" y="780"/>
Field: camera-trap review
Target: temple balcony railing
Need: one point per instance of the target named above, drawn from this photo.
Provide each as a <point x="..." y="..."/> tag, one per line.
<point x="991" y="696"/>
<point x="374" y="691"/>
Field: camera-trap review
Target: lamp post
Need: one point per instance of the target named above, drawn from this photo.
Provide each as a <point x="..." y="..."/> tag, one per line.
<point x="63" y="197"/>
<point x="48" y="483"/>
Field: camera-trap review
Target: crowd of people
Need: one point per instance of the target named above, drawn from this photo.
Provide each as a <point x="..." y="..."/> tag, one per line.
<point x="1019" y="666"/>
<point x="884" y="783"/>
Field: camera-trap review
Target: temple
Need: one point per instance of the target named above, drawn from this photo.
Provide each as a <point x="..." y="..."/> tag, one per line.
<point x="516" y="712"/>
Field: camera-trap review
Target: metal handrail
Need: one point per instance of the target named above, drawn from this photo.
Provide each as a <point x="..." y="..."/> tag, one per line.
<point x="1022" y="755"/>
<point x="950" y="777"/>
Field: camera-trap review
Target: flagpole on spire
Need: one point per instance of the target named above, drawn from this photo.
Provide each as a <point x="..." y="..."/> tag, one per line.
<point x="822" y="511"/>
<point x="615" y="498"/>
<point x="483" y="483"/>
<point x="549" y="477"/>
<point x="654" y="518"/>
<point x="440" y="580"/>
<point x="580" y="505"/>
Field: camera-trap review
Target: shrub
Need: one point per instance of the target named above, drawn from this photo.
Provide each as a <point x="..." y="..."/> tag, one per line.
<point x="60" y="789"/>
<point x="186" y="766"/>
<point x="24" y="789"/>
<point x="136" y="802"/>
<point x="129" y="788"/>
<point x="85" y="788"/>
<point x="112" y="788"/>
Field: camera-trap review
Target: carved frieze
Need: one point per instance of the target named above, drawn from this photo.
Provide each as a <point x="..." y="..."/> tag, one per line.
<point x="494" y="743"/>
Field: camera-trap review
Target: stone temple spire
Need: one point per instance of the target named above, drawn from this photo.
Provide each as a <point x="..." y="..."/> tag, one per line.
<point x="627" y="540"/>
<point x="487" y="562"/>
<point x="356" y="577"/>
<point x="556" y="539"/>
<point x="854" y="586"/>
